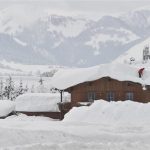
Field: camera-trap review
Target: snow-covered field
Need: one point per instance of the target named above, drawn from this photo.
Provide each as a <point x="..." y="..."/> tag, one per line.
<point x="29" y="80"/>
<point x="39" y="133"/>
<point x="29" y="75"/>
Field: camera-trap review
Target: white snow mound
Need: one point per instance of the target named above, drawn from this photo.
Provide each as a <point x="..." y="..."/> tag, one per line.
<point x="6" y="107"/>
<point x="103" y="112"/>
<point x="40" y="102"/>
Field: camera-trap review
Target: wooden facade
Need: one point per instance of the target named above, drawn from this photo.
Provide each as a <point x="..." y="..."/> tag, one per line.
<point x="53" y="115"/>
<point x="108" y="89"/>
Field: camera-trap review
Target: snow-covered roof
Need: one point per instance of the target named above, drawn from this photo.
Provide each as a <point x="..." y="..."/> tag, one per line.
<point x="66" y="78"/>
<point x="40" y="102"/>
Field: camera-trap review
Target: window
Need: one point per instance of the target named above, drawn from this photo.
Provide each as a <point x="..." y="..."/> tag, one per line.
<point x="129" y="96"/>
<point x="148" y="87"/>
<point x="110" y="96"/>
<point x="91" y="96"/>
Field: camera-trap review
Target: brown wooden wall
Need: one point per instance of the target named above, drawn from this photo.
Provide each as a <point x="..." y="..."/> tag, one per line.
<point x="106" y="84"/>
<point x="53" y="115"/>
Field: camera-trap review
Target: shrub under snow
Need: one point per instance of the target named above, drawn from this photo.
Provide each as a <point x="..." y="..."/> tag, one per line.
<point x="6" y="107"/>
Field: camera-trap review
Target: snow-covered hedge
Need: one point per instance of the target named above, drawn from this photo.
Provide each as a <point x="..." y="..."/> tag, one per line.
<point x="104" y="112"/>
<point x="40" y="102"/>
<point x="6" y="107"/>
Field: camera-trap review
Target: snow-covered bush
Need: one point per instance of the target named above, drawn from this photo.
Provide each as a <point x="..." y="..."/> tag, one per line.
<point x="6" y="107"/>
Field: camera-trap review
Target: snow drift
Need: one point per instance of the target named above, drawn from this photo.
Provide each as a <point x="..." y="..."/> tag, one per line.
<point x="40" y="102"/>
<point x="103" y="112"/>
<point x="6" y="107"/>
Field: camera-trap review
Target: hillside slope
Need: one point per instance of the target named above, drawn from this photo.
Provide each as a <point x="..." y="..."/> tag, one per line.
<point x="136" y="52"/>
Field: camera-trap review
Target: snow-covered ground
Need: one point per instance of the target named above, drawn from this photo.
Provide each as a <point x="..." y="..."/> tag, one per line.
<point x="39" y="133"/>
<point x="46" y="135"/>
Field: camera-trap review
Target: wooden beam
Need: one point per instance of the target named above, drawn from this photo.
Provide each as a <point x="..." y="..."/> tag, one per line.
<point x="61" y="100"/>
<point x="61" y="96"/>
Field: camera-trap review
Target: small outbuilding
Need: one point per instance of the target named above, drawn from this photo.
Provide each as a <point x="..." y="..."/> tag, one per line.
<point x="111" y="82"/>
<point x="41" y="104"/>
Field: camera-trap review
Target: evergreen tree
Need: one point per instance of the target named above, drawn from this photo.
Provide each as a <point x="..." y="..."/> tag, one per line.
<point x="9" y="90"/>
<point x="26" y="88"/>
<point x="20" y="90"/>
<point x="41" y="88"/>
<point x="32" y="89"/>
<point x="41" y="81"/>
<point x="1" y="89"/>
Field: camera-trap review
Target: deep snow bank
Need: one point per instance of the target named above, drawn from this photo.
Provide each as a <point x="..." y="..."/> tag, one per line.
<point x="101" y="111"/>
<point x="6" y="107"/>
<point x="40" y="102"/>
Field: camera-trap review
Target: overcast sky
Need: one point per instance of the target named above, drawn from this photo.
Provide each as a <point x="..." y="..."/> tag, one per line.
<point x="89" y="8"/>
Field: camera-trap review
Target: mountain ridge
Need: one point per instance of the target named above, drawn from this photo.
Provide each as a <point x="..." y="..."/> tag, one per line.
<point x="70" y="41"/>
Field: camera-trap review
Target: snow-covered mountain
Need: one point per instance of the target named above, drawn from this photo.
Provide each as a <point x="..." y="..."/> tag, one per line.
<point x="67" y="40"/>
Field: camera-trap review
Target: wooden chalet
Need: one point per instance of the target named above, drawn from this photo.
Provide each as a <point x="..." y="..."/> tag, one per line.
<point x="108" y="89"/>
<point x="107" y="82"/>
